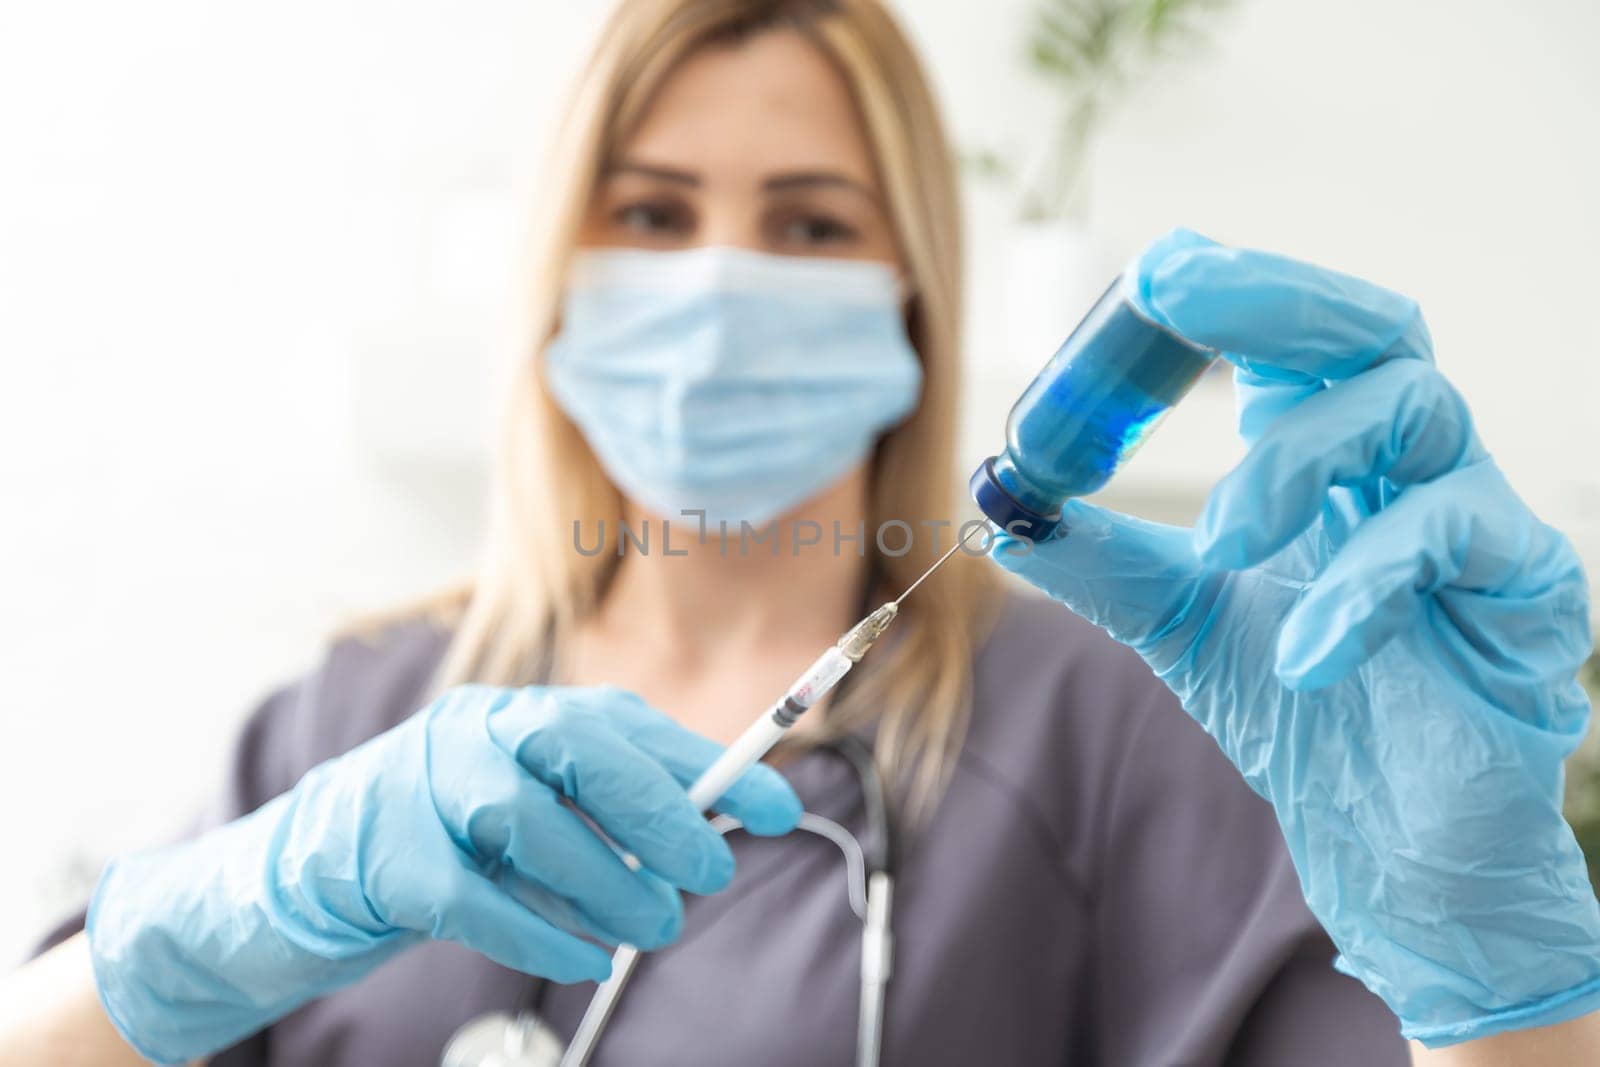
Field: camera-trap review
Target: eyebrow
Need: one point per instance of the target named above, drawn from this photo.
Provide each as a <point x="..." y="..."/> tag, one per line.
<point x="805" y="179"/>
<point x="651" y="170"/>
<point x="811" y="179"/>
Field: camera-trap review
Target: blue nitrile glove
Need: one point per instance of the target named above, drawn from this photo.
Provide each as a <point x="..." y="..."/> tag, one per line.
<point x="453" y="825"/>
<point x="1378" y="633"/>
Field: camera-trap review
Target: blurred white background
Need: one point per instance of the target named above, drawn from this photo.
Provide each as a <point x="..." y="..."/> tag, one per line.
<point x="255" y="261"/>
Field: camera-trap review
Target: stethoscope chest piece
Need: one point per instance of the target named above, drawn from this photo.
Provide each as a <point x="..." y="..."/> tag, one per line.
<point x="503" y="1040"/>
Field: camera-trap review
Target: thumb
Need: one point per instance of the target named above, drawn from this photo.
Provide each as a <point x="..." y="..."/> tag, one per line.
<point x="1130" y="577"/>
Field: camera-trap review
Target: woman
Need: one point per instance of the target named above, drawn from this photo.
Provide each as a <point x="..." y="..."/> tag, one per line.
<point x="750" y="313"/>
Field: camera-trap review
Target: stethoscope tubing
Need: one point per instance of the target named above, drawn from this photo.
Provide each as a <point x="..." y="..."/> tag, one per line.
<point x="870" y="880"/>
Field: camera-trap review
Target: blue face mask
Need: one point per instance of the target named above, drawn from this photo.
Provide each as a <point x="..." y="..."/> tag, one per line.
<point x="734" y="381"/>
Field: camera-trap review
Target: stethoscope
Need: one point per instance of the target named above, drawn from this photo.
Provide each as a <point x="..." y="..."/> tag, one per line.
<point x="524" y="1040"/>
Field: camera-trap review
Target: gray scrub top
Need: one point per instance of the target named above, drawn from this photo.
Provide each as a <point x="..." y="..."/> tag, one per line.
<point x="1098" y="886"/>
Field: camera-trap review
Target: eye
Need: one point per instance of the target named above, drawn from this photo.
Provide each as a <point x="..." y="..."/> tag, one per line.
<point x="812" y="230"/>
<point x="654" y="218"/>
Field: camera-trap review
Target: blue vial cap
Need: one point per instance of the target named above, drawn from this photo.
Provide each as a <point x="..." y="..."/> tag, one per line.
<point x="1005" y="510"/>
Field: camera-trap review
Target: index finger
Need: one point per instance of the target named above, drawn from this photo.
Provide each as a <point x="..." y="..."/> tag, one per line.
<point x="1278" y="318"/>
<point x="572" y="750"/>
<point x="760" y="798"/>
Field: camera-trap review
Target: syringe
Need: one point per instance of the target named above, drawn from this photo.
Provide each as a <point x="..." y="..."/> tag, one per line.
<point x="814" y="684"/>
<point x="745" y="752"/>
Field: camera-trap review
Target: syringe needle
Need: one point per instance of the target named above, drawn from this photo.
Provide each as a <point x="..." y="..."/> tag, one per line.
<point x="958" y="546"/>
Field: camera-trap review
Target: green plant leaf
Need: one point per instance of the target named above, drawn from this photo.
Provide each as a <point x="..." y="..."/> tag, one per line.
<point x="988" y="164"/>
<point x="1049" y="58"/>
<point x="1089" y="50"/>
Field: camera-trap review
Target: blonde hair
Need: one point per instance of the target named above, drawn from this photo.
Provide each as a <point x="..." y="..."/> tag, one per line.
<point x="532" y="590"/>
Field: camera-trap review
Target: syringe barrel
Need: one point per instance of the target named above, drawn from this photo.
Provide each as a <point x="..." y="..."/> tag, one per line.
<point x="758" y="739"/>
<point x="818" y="679"/>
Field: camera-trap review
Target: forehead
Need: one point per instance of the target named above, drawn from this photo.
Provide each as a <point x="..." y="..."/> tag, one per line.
<point x="772" y="102"/>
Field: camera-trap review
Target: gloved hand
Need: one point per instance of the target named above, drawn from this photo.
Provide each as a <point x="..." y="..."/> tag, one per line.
<point x="452" y="825"/>
<point x="1377" y="632"/>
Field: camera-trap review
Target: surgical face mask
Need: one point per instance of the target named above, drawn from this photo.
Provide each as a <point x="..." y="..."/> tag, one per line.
<point x="734" y="381"/>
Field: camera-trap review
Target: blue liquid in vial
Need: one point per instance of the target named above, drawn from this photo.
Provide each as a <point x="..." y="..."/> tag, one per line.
<point x="1086" y="412"/>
